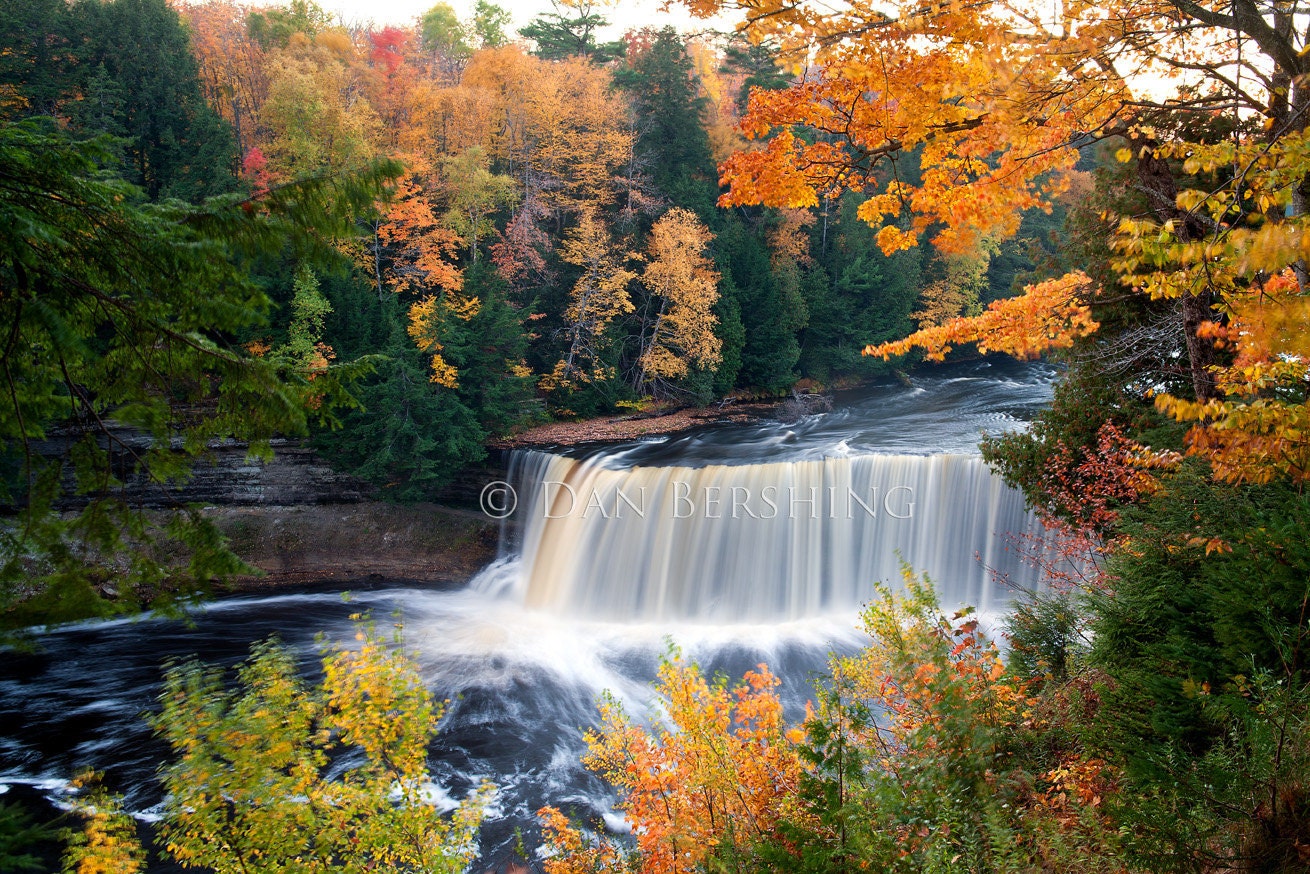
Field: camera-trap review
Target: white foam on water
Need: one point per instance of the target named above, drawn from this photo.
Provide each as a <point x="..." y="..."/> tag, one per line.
<point x="756" y="544"/>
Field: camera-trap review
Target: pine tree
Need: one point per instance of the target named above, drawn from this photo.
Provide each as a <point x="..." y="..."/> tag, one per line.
<point x="570" y="31"/>
<point x="410" y="435"/>
<point x="673" y="147"/>
<point x="771" y="313"/>
<point x="122" y="314"/>
<point x="176" y="145"/>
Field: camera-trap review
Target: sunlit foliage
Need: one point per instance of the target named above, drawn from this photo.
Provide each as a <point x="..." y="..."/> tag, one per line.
<point x="1048" y="316"/>
<point x="682" y="280"/>
<point x="719" y="771"/>
<point x="277" y="775"/>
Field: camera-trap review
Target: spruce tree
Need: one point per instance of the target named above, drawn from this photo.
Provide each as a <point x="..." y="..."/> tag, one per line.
<point x="674" y="146"/>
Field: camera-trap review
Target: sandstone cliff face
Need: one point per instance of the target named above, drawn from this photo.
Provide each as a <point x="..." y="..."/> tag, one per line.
<point x="294" y="476"/>
<point x="325" y="543"/>
<point x="227" y="476"/>
<point x="296" y="520"/>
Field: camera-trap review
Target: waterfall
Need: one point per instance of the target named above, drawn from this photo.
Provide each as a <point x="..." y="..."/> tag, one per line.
<point x="758" y="542"/>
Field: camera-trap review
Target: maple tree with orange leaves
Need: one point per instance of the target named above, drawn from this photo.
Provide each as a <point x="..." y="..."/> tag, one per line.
<point x="1047" y="316"/>
<point x="995" y="100"/>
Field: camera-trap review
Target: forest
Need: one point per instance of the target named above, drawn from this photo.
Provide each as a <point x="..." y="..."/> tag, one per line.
<point x="222" y="221"/>
<point x="436" y="237"/>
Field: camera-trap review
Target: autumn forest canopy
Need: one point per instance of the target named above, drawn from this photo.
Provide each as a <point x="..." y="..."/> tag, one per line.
<point x="422" y="238"/>
<point x="228" y="221"/>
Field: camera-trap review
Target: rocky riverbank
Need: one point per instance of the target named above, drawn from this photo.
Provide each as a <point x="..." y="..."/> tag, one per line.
<point x="632" y="425"/>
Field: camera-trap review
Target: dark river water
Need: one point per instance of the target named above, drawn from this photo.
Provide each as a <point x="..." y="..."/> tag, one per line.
<point x="942" y="409"/>
<point x="524" y="651"/>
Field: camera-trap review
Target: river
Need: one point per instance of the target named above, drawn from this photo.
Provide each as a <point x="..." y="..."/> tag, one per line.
<point x="740" y="543"/>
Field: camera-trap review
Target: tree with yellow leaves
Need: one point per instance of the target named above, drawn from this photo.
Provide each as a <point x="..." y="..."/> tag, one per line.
<point x="599" y="296"/>
<point x="429" y="324"/>
<point x="683" y="287"/>
<point x="473" y="192"/>
<point x="251" y="790"/>
<point x="316" y="112"/>
<point x="107" y="842"/>
<point x="580" y="137"/>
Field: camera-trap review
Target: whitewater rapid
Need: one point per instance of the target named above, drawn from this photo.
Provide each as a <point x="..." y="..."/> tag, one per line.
<point x="580" y="603"/>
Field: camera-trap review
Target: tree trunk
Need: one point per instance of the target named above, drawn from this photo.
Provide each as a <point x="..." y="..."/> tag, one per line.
<point x="654" y="338"/>
<point x="1157" y="181"/>
<point x="377" y="260"/>
<point x="1200" y="351"/>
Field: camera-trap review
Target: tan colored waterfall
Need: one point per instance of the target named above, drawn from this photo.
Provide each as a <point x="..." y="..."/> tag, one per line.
<point x="774" y="541"/>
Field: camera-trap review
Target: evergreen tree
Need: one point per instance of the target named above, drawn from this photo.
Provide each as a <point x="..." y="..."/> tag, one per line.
<point x="304" y="349"/>
<point x="674" y="146"/>
<point x="137" y="55"/>
<point x="122" y="314"/>
<point x="868" y="299"/>
<point x="489" y="22"/>
<point x="757" y="62"/>
<point x="1205" y="645"/>
<point x="409" y="436"/>
<point x="488" y="353"/>
<point x="570" y="31"/>
<point x="124" y="68"/>
<point x="772" y="311"/>
<point x="731" y="332"/>
<point x="39" y="45"/>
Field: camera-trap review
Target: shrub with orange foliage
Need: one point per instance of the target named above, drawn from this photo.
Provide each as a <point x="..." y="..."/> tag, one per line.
<point x="720" y="770"/>
<point x="921" y="754"/>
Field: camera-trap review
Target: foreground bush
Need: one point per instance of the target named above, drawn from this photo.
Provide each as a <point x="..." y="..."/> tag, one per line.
<point x="922" y="753"/>
<point x="276" y="776"/>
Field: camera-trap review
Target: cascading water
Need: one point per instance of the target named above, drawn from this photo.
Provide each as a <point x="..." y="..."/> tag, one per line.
<point x="776" y="541"/>
<point x="585" y="597"/>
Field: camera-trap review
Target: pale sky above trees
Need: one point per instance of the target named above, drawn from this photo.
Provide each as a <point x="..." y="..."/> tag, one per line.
<point x="626" y="14"/>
